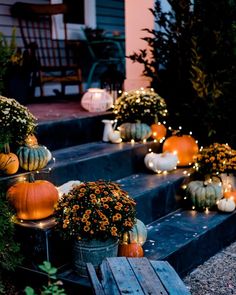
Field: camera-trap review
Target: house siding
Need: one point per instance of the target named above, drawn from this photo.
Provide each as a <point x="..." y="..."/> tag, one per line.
<point x="109" y="15"/>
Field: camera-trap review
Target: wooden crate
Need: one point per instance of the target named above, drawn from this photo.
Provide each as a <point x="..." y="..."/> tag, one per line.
<point x="121" y="275"/>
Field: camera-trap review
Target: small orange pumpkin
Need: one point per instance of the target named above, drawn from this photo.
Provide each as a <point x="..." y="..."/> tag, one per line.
<point x="9" y="162"/>
<point x="33" y="200"/>
<point x="184" y="146"/>
<point x="230" y="194"/>
<point x="31" y="140"/>
<point x="158" y="131"/>
<point x="130" y="250"/>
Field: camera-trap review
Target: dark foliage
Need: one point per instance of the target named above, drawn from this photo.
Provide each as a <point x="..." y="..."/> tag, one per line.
<point x="9" y="250"/>
<point x="193" y="66"/>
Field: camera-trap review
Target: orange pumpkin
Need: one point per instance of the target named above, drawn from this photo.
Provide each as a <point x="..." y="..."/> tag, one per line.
<point x="229" y="195"/>
<point x="9" y="162"/>
<point x="184" y="146"/>
<point x="33" y="200"/>
<point x="31" y="140"/>
<point x="130" y="250"/>
<point x="158" y="131"/>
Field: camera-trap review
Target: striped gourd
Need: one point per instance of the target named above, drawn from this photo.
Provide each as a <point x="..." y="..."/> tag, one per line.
<point x="33" y="157"/>
<point x="135" y="131"/>
<point x="204" y="194"/>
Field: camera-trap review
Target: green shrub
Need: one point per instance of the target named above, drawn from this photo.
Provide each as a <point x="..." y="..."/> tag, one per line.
<point x="9" y="250"/>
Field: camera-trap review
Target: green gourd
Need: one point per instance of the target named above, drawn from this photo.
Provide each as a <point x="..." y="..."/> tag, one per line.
<point x="135" y="131"/>
<point x="33" y="157"/>
<point x="204" y="194"/>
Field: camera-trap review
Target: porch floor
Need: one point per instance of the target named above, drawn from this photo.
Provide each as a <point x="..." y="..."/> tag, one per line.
<point x="56" y="109"/>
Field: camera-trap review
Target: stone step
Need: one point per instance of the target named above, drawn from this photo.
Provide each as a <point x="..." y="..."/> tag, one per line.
<point x="58" y="134"/>
<point x="91" y="161"/>
<point x="155" y="194"/>
<point x="98" y="160"/>
<point x="186" y="238"/>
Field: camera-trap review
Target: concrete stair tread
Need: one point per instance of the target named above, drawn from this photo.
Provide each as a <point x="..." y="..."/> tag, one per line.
<point x="137" y="183"/>
<point x="187" y="238"/>
<point x="159" y="193"/>
<point x="99" y="160"/>
<point x="90" y="150"/>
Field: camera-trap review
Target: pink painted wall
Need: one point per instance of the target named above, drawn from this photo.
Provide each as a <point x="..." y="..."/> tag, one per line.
<point x="137" y="17"/>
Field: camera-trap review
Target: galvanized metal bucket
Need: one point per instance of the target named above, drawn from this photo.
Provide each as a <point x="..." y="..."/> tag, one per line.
<point x="94" y="251"/>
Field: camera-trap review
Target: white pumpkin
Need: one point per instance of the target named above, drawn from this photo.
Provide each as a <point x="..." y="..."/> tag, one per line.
<point x="226" y="205"/>
<point x="114" y="136"/>
<point x="67" y="186"/>
<point x="161" y="162"/>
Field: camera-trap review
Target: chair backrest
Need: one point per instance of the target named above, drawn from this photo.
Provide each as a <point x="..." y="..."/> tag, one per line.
<point x="40" y="33"/>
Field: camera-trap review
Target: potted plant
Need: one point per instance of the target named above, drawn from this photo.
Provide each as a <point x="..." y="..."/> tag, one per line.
<point x="136" y="110"/>
<point x="7" y="49"/>
<point x="94" y="215"/>
<point x="15" y="69"/>
<point x="16" y="123"/>
<point x="140" y="105"/>
<point x="217" y="160"/>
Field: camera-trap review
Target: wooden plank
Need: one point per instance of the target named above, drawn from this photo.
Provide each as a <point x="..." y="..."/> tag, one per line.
<point x="96" y="286"/>
<point x="146" y="276"/>
<point x="108" y="282"/>
<point x="170" y="279"/>
<point x="124" y="276"/>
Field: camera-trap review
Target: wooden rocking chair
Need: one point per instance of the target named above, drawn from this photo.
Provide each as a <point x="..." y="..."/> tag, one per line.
<point x="51" y="56"/>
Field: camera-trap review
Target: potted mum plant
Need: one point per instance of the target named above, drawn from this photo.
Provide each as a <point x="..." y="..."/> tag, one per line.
<point x="141" y="105"/>
<point x="136" y="110"/>
<point x="94" y="215"/>
<point x="16" y="123"/>
<point x="219" y="161"/>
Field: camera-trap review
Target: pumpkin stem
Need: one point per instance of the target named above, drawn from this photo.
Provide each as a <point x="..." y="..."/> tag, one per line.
<point x="156" y="119"/>
<point x="217" y="176"/>
<point x="176" y="132"/>
<point x="6" y="148"/>
<point x="125" y="239"/>
<point x="31" y="178"/>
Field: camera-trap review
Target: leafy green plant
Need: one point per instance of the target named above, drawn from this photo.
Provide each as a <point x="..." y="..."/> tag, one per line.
<point x="10" y="255"/>
<point x="53" y="286"/>
<point x="7" y="50"/>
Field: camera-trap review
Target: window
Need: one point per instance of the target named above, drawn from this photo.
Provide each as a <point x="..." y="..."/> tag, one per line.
<point x="81" y="13"/>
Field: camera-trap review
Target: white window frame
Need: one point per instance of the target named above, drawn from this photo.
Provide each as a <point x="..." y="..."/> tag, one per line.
<point x="75" y="31"/>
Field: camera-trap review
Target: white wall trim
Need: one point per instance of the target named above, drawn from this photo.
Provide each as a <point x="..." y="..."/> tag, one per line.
<point x="75" y="30"/>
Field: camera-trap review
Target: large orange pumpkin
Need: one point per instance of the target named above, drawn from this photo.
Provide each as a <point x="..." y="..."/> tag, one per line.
<point x="33" y="200"/>
<point x="158" y="131"/>
<point x="184" y="146"/>
<point x="9" y="163"/>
